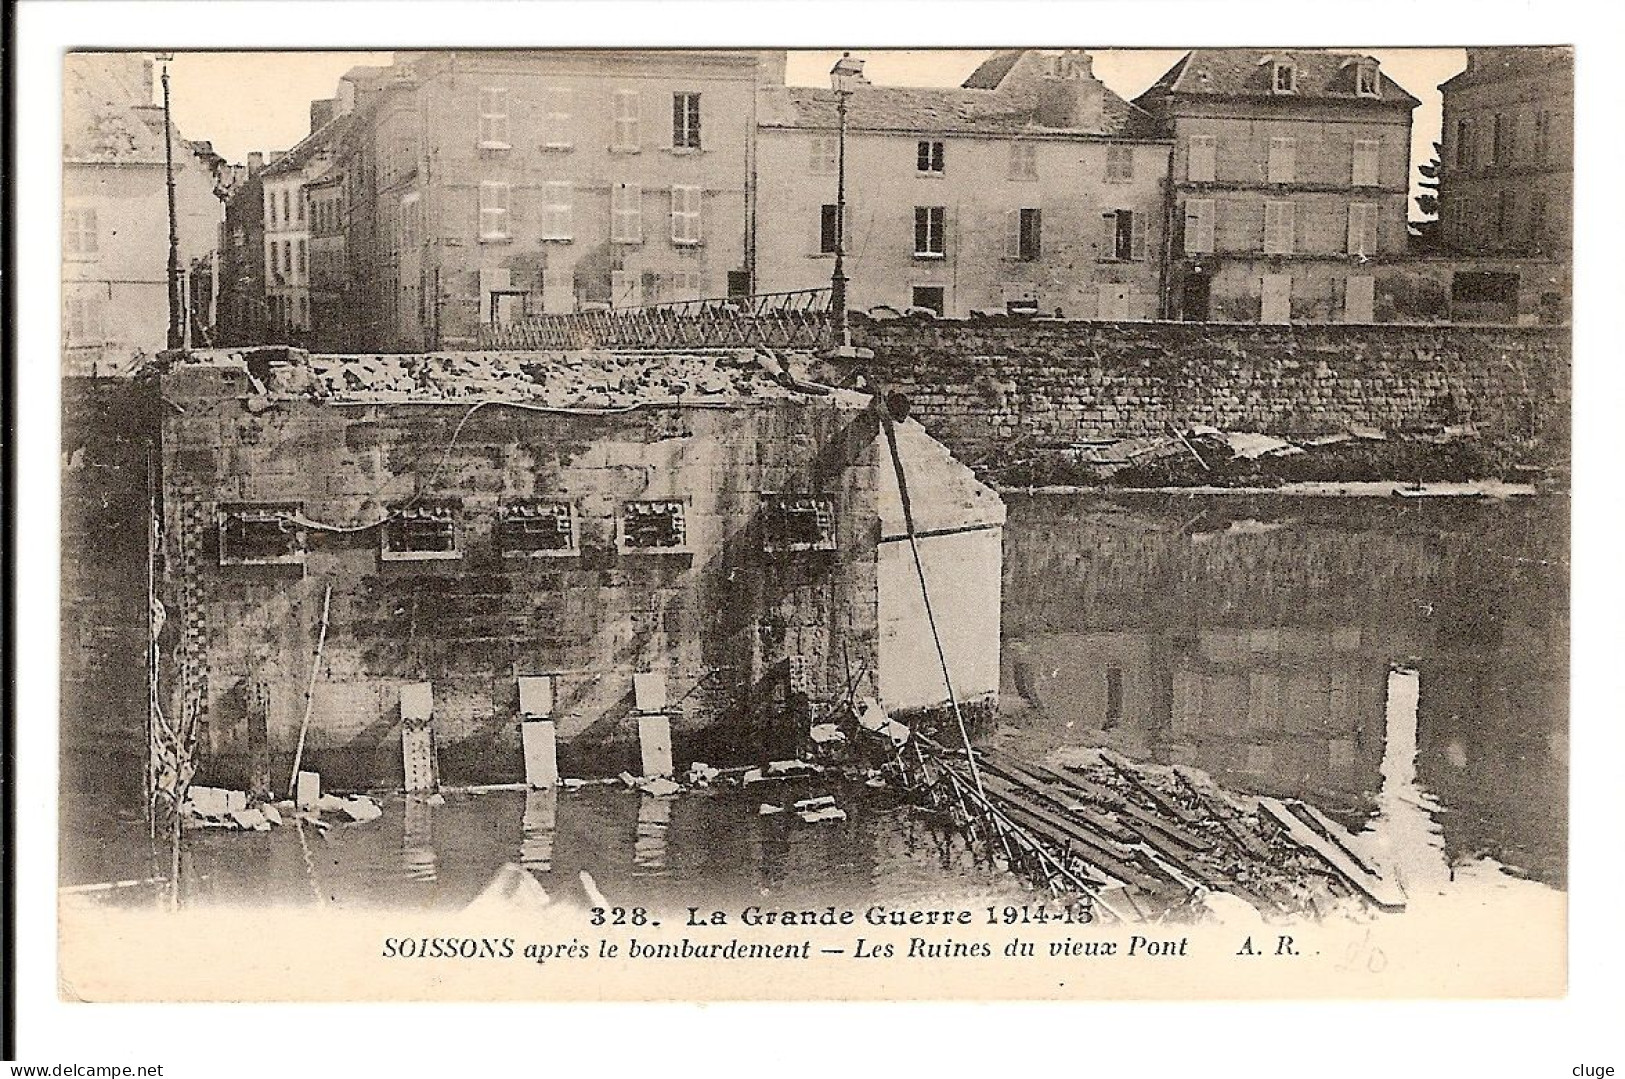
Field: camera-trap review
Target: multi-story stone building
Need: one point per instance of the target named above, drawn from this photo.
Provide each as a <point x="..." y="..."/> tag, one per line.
<point x="115" y="221"/>
<point x="288" y="226"/>
<point x="485" y="186"/>
<point x="1291" y="173"/>
<point x="241" y="304"/>
<point x="1032" y="187"/>
<point x="1506" y="185"/>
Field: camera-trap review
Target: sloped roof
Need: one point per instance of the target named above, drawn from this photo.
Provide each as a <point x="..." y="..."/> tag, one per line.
<point x="323" y="138"/>
<point x="1510" y="62"/>
<point x="103" y="119"/>
<point x="992" y="71"/>
<point x="1322" y="75"/>
<point x="944" y="109"/>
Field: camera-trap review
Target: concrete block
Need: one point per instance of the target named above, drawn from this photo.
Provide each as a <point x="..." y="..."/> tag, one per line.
<point x="654" y="742"/>
<point x="536" y="696"/>
<point x="417" y="702"/>
<point x="540" y="738"/>
<point x="649" y="691"/>
<point x="308" y="790"/>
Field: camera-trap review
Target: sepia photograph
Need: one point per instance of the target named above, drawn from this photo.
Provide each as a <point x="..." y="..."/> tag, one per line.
<point x="662" y="519"/>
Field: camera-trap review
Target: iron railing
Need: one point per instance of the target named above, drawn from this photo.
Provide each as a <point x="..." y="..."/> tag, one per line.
<point x="772" y="320"/>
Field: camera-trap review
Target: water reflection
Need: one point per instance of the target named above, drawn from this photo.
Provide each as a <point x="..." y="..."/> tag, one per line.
<point x="1406" y="828"/>
<point x="654" y="820"/>
<point x="538" y="828"/>
<point x="1253" y="638"/>
<point x="419" y="860"/>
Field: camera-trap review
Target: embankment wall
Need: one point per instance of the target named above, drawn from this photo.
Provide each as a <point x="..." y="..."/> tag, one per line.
<point x="999" y="392"/>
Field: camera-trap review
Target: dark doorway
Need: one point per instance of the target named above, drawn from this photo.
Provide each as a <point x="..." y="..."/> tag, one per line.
<point x="1194" y="300"/>
<point x="1482" y="296"/>
<point x="930" y="297"/>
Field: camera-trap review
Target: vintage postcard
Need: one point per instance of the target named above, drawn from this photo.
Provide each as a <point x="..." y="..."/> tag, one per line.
<point x="695" y="524"/>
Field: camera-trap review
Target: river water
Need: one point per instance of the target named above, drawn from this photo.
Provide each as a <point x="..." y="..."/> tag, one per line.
<point x="1400" y="664"/>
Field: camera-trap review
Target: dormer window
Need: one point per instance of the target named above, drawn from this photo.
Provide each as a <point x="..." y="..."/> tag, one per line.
<point x="1366" y="83"/>
<point x="1284" y="76"/>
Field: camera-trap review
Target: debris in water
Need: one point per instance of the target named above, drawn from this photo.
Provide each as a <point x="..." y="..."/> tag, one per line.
<point x="825" y="733"/>
<point x="214" y="801"/>
<point x="768" y="810"/>
<point x="660" y="787"/>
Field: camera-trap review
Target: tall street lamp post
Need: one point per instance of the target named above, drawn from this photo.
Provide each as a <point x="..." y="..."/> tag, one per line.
<point x="177" y="337"/>
<point x="844" y="78"/>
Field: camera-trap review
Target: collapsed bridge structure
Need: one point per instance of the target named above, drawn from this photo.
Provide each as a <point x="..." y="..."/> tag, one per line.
<point x="353" y="550"/>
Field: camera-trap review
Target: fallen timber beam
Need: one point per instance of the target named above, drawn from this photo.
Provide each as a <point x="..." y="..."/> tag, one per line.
<point x="1167" y="805"/>
<point x="1334" y="832"/>
<point x="1105" y="797"/>
<point x="1385" y="894"/>
<point x="1094" y="848"/>
<point x="1115" y="801"/>
<point x="1226" y="818"/>
<point x="1059" y="797"/>
<point x="1025" y="838"/>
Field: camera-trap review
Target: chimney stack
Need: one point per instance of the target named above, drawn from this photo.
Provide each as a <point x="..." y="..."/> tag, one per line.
<point x="321" y="112"/>
<point x="277" y="155"/>
<point x="256" y="162"/>
<point x="1072" y="97"/>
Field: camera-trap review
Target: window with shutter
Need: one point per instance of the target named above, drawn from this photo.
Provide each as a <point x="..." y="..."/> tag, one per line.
<point x="1359" y="299"/>
<point x="930" y="231"/>
<point x="1276" y="300"/>
<point x="628" y="111"/>
<point x="1278" y="228"/>
<point x="1199" y="226"/>
<point x="626" y="214"/>
<point x="493" y="210"/>
<point x="1119" y="162"/>
<point x="557" y="120"/>
<point x="1122" y="236"/>
<point x="1202" y="164"/>
<point x="1283" y="161"/>
<point x="1367" y="84"/>
<point x="1023" y="239"/>
<point x="1023" y="160"/>
<point x="685" y="215"/>
<point x="557" y="210"/>
<point x="1365" y="162"/>
<point x="1362" y="228"/>
<point x="824" y="152"/>
<point x="82" y="237"/>
<point x="929" y="157"/>
<point x="685" y="121"/>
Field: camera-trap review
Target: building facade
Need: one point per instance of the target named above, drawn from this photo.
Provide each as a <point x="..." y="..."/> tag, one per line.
<point x="243" y="263"/>
<point x="1291" y="178"/>
<point x="1031" y="188"/>
<point x="115" y="242"/>
<point x="486" y="186"/>
<point x="1506" y="185"/>
<point x="288" y="224"/>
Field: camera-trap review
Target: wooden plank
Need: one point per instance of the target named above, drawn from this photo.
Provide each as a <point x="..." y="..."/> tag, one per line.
<point x="1115" y="801"/>
<point x="1334" y="832"/>
<point x="1384" y="894"/>
<point x="1125" y="769"/>
<point x="1095" y="848"/>
<point x="1058" y="796"/>
<point x="1232" y="823"/>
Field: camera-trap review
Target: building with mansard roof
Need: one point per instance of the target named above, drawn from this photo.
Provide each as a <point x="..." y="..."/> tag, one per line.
<point x="1290" y="182"/>
<point x="1032" y="187"/>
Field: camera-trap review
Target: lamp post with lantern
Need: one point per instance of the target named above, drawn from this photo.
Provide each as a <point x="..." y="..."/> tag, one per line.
<point x="844" y="78"/>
